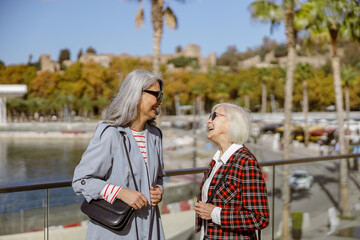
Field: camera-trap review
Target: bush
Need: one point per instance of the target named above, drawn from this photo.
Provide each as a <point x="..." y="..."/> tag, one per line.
<point x="296" y="220"/>
<point x="182" y="61"/>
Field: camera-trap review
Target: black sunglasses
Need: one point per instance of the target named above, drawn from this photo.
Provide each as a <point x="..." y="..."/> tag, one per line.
<point x="158" y="95"/>
<point x="214" y="114"/>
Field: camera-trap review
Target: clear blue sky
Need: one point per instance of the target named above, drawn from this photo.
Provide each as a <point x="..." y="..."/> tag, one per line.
<point x="47" y="26"/>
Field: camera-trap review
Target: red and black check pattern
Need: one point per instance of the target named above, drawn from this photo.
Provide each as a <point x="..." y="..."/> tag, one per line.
<point x="242" y="197"/>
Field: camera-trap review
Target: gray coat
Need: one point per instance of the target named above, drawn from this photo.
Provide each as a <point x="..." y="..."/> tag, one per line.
<point x="105" y="161"/>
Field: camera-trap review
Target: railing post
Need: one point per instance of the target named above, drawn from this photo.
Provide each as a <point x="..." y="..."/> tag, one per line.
<point x="273" y="203"/>
<point x="47" y="212"/>
<point x="44" y="219"/>
<point x="22" y="220"/>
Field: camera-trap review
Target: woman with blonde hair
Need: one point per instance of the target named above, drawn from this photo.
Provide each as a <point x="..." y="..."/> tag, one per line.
<point x="233" y="200"/>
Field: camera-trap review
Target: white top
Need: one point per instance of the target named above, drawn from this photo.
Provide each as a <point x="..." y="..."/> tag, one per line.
<point x="219" y="161"/>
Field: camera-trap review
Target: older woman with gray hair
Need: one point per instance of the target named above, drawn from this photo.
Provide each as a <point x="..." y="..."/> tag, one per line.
<point x="104" y="173"/>
<point x="233" y="200"/>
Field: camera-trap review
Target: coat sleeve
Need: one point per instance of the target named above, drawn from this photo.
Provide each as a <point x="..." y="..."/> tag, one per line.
<point x="90" y="175"/>
<point x="253" y="213"/>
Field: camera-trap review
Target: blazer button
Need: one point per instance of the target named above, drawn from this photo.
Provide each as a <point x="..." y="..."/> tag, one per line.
<point x="82" y="182"/>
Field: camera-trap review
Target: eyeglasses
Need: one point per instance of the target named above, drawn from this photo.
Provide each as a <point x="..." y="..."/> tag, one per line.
<point x="214" y="114"/>
<point x="158" y="94"/>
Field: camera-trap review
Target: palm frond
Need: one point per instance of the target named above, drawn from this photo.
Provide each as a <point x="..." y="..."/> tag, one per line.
<point x="266" y="11"/>
<point x="170" y="18"/>
<point x="139" y="18"/>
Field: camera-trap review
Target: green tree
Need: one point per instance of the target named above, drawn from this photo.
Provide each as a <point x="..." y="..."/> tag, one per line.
<point x="159" y="13"/>
<point x="90" y="50"/>
<point x="229" y="58"/>
<point x="178" y="49"/>
<point x="180" y="62"/>
<point x="80" y="53"/>
<point x="64" y="55"/>
<point x="339" y="19"/>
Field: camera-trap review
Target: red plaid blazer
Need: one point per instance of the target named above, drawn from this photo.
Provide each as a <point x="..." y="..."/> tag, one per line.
<point x="242" y="197"/>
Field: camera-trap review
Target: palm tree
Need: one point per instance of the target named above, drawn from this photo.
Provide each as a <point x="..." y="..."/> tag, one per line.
<point x="339" y="18"/>
<point x="303" y="73"/>
<point x="269" y="11"/>
<point x="348" y="75"/>
<point x="263" y="75"/>
<point x="245" y="88"/>
<point x="159" y="11"/>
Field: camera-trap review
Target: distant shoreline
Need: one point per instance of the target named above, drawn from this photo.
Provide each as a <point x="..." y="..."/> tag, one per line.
<point x="48" y="130"/>
<point x="47" y="135"/>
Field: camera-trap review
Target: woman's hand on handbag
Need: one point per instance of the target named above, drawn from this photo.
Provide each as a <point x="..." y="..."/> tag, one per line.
<point x="132" y="198"/>
<point x="204" y="210"/>
<point x="155" y="195"/>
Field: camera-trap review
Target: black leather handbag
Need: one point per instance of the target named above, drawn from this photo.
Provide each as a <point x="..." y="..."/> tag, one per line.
<point x="115" y="216"/>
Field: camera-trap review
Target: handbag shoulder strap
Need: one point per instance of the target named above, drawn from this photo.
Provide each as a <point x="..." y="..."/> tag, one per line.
<point x="128" y="158"/>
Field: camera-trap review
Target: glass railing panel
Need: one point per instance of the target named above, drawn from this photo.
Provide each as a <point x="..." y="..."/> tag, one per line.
<point x="273" y="193"/>
<point x="22" y="212"/>
<point x="178" y="216"/>
<point x="314" y="191"/>
<point x="65" y="219"/>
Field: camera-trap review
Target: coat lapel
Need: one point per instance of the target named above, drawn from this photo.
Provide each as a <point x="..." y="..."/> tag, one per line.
<point x="152" y="157"/>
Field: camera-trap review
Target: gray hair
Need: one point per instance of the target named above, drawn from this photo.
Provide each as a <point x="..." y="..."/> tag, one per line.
<point x="123" y="108"/>
<point x="239" y="122"/>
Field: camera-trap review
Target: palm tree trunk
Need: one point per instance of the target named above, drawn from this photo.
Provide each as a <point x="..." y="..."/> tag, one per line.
<point x="289" y="86"/>
<point x="306" y="111"/>
<point x="287" y="140"/>
<point x="157" y="21"/>
<point x="347" y="107"/>
<point x="263" y="97"/>
<point x="341" y="137"/>
<point x="247" y="101"/>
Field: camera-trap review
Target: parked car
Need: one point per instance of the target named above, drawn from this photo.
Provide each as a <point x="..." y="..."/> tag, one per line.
<point x="301" y="180"/>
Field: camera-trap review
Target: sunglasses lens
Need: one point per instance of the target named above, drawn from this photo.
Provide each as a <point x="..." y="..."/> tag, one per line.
<point x="212" y="116"/>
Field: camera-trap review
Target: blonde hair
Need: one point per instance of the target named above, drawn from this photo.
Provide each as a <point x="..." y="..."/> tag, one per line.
<point x="239" y="122"/>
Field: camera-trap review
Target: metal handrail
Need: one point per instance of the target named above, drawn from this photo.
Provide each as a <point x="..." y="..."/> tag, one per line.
<point x="170" y="173"/>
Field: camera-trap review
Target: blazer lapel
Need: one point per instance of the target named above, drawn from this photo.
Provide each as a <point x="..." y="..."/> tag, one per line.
<point x="220" y="174"/>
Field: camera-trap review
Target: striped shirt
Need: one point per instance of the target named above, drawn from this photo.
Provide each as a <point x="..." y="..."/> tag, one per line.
<point x="141" y="142"/>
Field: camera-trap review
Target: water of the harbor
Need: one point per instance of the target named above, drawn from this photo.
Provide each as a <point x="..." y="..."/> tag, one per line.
<point x="33" y="161"/>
